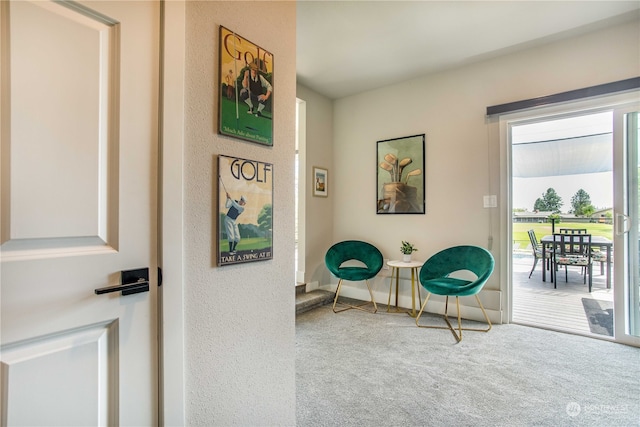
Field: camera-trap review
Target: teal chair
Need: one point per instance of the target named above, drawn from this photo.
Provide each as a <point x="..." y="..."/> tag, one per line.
<point x="435" y="278"/>
<point x="353" y="260"/>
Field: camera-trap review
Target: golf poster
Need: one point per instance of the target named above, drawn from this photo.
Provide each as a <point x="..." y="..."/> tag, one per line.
<point x="245" y="222"/>
<point x="246" y="89"/>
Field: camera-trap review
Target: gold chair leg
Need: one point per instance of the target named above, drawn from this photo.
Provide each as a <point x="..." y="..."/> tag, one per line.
<point x="350" y="306"/>
<point x="458" y="336"/>
<point x="335" y="299"/>
<point x="375" y="307"/>
<point x="421" y="310"/>
<point x="484" y="313"/>
<point x="449" y="326"/>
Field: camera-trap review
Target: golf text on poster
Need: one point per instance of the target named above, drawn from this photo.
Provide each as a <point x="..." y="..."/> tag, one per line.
<point x="246" y="89"/>
<point x="245" y="200"/>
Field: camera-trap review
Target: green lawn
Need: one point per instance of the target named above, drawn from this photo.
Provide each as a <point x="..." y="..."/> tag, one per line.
<point x="519" y="232"/>
<point x="248" y="243"/>
<point x="243" y="125"/>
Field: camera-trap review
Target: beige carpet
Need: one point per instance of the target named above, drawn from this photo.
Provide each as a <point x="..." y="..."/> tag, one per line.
<point x="359" y="369"/>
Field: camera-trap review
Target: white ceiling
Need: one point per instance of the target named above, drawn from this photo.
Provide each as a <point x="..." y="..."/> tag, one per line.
<point x="347" y="47"/>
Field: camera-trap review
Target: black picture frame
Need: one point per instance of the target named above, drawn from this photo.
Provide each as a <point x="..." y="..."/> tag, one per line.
<point x="401" y="175"/>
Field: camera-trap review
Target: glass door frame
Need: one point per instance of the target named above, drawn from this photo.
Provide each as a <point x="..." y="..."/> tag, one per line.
<point x="617" y="103"/>
<point x="625" y="223"/>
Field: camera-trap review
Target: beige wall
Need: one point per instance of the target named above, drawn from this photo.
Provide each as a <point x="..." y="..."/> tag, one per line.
<point x="239" y="320"/>
<point x="319" y="214"/>
<point x="462" y="149"/>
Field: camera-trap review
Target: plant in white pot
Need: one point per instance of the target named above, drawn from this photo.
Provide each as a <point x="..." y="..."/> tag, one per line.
<point x="407" y="249"/>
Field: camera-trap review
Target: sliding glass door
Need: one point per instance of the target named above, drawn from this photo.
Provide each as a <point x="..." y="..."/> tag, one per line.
<point x="562" y="179"/>
<point x="599" y="136"/>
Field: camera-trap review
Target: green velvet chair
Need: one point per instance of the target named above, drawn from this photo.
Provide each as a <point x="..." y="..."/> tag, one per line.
<point x="355" y="261"/>
<point x="435" y="277"/>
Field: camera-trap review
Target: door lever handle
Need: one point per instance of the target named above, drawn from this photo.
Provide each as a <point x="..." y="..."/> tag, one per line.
<point x="131" y="282"/>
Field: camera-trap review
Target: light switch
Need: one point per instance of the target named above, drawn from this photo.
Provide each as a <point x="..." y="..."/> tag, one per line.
<point x="490" y="201"/>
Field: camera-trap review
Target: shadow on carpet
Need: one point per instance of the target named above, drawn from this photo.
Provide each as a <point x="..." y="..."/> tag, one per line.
<point x="600" y="316"/>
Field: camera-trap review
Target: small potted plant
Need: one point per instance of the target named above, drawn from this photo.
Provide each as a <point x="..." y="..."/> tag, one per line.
<point x="407" y="249"/>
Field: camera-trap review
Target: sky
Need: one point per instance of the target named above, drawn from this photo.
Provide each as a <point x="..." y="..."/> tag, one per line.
<point x="599" y="186"/>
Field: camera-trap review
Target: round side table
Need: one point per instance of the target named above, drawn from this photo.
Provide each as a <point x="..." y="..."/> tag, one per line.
<point x="396" y="266"/>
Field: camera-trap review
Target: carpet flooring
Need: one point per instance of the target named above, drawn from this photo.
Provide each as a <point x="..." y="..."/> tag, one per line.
<point x="360" y="369"/>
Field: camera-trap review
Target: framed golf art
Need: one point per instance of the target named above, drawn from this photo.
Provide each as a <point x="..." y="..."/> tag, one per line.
<point x="245" y="209"/>
<point x="246" y="89"/>
<point x="320" y="184"/>
<point x="400" y="178"/>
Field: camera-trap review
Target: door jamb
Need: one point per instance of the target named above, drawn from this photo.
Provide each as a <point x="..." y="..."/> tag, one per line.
<point x="171" y="404"/>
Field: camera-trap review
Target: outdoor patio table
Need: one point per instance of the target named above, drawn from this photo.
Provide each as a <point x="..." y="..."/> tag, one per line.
<point x="596" y="242"/>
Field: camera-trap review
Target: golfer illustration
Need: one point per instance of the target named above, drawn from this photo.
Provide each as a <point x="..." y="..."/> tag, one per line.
<point x="256" y="89"/>
<point x="236" y="207"/>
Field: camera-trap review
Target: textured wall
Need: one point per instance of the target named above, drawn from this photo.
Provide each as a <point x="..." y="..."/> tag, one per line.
<point x="239" y="320"/>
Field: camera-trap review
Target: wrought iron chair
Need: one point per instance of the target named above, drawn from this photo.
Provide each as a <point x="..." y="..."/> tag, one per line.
<point x="572" y="250"/>
<point x="435" y="277"/>
<point x="600" y="255"/>
<point x="353" y="260"/>
<point x="573" y="231"/>
<point x="581" y="231"/>
<point x="537" y="252"/>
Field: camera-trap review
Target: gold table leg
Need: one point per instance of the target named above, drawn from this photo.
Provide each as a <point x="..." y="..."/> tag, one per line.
<point x="396" y="271"/>
<point x="393" y="269"/>
<point x="397" y="285"/>
<point x="413" y="292"/>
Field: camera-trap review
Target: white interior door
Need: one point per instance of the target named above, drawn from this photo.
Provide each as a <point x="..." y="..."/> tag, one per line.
<point x="79" y="108"/>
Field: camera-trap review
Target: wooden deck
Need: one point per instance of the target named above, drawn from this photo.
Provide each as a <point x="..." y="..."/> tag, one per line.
<point x="537" y="303"/>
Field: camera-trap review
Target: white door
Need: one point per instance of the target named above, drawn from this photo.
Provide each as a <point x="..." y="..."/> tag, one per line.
<point x="79" y="128"/>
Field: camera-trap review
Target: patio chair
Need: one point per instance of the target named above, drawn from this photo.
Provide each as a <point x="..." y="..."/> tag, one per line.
<point x="537" y="252"/>
<point x="436" y="277"/>
<point x="600" y="255"/>
<point x="353" y="260"/>
<point x="572" y="250"/>
<point x="573" y="231"/>
<point x="596" y="255"/>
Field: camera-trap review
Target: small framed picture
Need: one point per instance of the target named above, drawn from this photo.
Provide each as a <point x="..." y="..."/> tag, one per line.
<point x="320" y="188"/>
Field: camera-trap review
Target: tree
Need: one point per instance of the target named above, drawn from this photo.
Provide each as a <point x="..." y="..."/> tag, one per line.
<point x="550" y="202"/>
<point x="555" y="218"/>
<point x="581" y="204"/>
<point x="265" y="221"/>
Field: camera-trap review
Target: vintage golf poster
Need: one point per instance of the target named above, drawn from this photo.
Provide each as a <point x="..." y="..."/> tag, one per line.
<point x="245" y="198"/>
<point x="246" y="89"/>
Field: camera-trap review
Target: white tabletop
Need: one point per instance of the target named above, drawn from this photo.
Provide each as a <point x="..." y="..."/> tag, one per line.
<point x="401" y="264"/>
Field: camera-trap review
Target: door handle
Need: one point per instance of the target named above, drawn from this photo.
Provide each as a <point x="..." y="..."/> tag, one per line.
<point x="131" y="282"/>
<point x="623" y="224"/>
